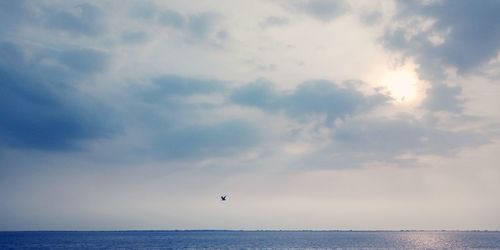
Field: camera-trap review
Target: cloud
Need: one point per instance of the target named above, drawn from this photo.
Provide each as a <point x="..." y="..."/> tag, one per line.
<point x="442" y="34"/>
<point x="173" y="85"/>
<point x="134" y="36"/>
<point x="196" y="26"/>
<point x="370" y="17"/>
<point x="173" y="124"/>
<point x="202" y="25"/>
<point x="323" y="10"/>
<point x="390" y="137"/>
<point x="274" y="21"/>
<point x="179" y="117"/>
<point x="78" y="19"/>
<point x="205" y="140"/>
<point x="172" y="18"/>
<point x="173" y="88"/>
<point x="399" y="140"/>
<point x="84" y="19"/>
<point x="85" y="61"/>
<point x="259" y="94"/>
<point x="43" y="108"/>
<point x="39" y="109"/>
<point x="11" y="14"/>
<point x="444" y="98"/>
<point x="308" y="99"/>
<point x="164" y="122"/>
<point x="460" y="33"/>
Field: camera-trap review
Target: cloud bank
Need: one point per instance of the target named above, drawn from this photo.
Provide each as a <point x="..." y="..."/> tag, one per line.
<point x="166" y="104"/>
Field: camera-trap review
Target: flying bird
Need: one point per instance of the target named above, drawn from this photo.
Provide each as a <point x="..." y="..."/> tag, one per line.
<point x="223" y="198"/>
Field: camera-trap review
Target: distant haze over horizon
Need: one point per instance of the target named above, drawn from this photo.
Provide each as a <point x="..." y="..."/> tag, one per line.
<point x="307" y="114"/>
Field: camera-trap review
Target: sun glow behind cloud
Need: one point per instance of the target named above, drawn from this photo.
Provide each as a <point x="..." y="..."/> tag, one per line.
<point x="403" y="85"/>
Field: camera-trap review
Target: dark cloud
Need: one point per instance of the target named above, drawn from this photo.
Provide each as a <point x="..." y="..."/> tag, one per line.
<point x="176" y="128"/>
<point x="470" y="32"/>
<point x="39" y="110"/>
<point x="41" y="107"/>
<point x="308" y="99"/>
<point x="462" y="34"/>
<point x="324" y="10"/>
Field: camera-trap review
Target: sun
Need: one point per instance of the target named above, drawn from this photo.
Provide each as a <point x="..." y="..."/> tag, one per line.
<point x="401" y="84"/>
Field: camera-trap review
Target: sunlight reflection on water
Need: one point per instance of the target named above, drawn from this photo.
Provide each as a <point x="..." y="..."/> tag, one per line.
<point x="428" y="240"/>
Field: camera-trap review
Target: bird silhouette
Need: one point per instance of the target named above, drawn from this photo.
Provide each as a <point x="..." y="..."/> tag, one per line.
<point x="223" y="198"/>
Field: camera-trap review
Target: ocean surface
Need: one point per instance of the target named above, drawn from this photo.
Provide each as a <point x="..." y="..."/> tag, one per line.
<point x="251" y="240"/>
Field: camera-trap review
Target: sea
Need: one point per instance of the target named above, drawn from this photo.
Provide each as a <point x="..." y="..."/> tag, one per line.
<point x="208" y="239"/>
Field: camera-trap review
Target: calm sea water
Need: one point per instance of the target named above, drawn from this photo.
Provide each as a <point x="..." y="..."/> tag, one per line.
<point x="249" y="240"/>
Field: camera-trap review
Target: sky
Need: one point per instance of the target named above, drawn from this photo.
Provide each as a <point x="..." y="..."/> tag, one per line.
<point x="307" y="114"/>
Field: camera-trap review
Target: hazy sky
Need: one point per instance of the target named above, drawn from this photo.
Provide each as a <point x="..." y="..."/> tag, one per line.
<point x="307" y="114"/>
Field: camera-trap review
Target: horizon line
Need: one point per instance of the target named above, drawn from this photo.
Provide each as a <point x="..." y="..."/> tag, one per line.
<point x="260" y="230"/>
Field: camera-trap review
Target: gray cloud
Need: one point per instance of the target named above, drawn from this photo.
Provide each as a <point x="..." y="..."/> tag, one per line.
<point x="172" y="18"/>
<point x="462" y="34"/>
<point x="197" y="27"/>
<point x="444" y="98"/>
<point x="134" y="36"/>
<point x="370" y="17"/>
<point x="389" y="137"/>
<point x="79" y="19"/>
<point x="175" y="128"/>
<point x="469" y="32"/>
<point x="84" y="60"/>
<point x="39" y="108"/>
<point x="85" y="19"/>
<point x="12" y="13"/>
<point x="201" y="25"/>
<point x="208" y="140"/>
<point x="398" y="140"/>
<point x="308" y="99"/>
<point x="324" y="10"/>
<point x="172" y="85"/>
